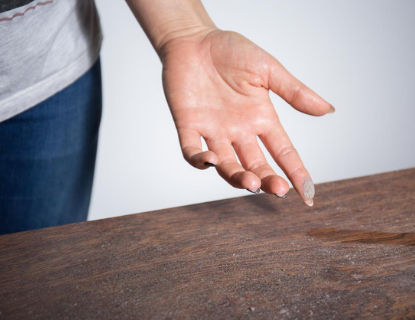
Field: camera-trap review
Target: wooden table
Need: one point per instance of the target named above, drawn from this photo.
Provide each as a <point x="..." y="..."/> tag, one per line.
<point x="350" y="256"/>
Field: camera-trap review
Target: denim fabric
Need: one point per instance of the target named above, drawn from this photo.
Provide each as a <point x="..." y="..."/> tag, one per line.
<point x="47" y="158"/>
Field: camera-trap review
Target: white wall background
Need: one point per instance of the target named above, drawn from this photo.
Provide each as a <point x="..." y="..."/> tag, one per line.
<point x="358" y="55"/>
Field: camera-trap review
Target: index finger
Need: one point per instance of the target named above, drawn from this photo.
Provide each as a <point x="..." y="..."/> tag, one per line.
<point x="286" y="156"/>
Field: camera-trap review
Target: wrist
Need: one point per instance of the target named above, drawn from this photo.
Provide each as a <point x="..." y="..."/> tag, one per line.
<point x="188" y="29"/>
<point x="189" y="33"/>
<point x="166" y="20"/>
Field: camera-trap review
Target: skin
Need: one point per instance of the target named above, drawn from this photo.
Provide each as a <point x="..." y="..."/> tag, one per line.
<point x="217" y="86"/>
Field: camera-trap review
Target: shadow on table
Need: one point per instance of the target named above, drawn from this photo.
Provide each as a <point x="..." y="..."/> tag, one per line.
<point x="362" y="236"/>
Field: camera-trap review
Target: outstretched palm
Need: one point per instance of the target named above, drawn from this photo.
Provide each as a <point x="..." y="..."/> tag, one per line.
<point x="216" y="83"/>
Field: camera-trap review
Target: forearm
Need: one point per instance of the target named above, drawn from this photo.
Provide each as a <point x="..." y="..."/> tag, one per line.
<point x="164" y="20"/>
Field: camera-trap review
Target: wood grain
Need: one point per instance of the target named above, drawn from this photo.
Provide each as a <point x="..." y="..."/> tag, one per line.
<point x="350" y="256"/>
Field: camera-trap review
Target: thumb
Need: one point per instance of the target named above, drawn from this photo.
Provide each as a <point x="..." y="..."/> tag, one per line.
<point x="296" y="93"/>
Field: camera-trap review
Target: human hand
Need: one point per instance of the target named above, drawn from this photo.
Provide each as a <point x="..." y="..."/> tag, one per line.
<point x="217" y="86"/>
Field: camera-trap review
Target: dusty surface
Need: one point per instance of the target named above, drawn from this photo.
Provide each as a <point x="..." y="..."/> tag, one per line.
<point x="350" y="256"/>
<point x="309" y="190"/>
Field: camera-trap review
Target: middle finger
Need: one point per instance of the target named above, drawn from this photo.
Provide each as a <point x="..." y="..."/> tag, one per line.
<point x="253" y="159"/>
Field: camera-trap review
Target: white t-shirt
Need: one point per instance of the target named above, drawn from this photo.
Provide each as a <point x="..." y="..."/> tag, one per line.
<point x="45" y="45"/>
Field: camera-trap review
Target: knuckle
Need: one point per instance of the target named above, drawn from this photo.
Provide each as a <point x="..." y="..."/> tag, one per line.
<point x="257" y="165"/>
<point x="286" y="151"/>
<point x="299" y="170"/>
<point x="296" y="94"/>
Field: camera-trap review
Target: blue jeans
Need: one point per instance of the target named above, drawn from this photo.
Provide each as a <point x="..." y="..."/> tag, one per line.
<point x="47" y="158"/>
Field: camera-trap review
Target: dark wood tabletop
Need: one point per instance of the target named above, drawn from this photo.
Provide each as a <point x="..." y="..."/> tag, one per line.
<point x="352" y="255"/>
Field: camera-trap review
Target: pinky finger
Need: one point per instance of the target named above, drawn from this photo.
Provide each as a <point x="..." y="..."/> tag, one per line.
<point x="192" y="150"/>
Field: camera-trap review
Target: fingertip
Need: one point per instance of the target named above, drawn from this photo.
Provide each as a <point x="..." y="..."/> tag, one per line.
<point x="328" y="109"/>
<point x="310" y="203"/>
<point x="274" y="184"/>
<point x="311" y="103"/>
<point x="210" y="159"/>
<point x="308" y="192"/>
<point x="204" y="160"/>
<point x="250" y="181"/>
<point x="308" y="189"/>
<point x="281" y="188"/>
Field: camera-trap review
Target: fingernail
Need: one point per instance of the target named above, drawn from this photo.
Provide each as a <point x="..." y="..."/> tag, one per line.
<point x="209" y="164"/>
<point x="257" y="191"/>
<point x="308" y="192"/>
<point x="308" y="189"/>
<point x="310" y="203"/>
<point x="332" y="109"/>
<point x="281" y="196"/>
